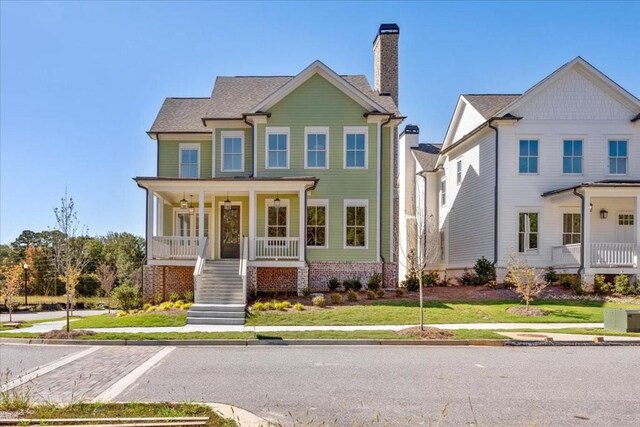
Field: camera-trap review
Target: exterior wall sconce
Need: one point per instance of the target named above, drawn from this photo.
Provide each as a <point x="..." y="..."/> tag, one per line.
<point x="590" y="207"/>
<point x="227" y="203"/>
<point x="604" y="213"/>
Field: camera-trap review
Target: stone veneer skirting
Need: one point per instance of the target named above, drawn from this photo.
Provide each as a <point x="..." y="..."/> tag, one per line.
<point x="159" y="281"/>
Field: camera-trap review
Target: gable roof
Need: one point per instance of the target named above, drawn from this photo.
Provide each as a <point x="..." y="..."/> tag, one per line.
<point x="181" y="115"/>
<point x="489" y="104"/>
<point x="426" y="155"/>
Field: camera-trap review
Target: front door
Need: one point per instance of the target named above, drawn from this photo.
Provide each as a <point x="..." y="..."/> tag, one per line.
<point x="230" y="232"/>
<point x="624" y="227"/>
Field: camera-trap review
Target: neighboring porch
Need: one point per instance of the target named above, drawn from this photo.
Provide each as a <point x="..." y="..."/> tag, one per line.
<point x="602" y="230"/>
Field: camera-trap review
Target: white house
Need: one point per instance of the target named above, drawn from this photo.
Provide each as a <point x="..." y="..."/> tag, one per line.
<point x="552" y="174"/>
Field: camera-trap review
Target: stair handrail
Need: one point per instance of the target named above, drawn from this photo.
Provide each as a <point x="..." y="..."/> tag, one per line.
<point x="200" y="261"/>
<point x="242" y="271"/>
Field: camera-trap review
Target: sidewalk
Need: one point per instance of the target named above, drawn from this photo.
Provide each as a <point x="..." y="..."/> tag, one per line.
<point x="41" y="315"/>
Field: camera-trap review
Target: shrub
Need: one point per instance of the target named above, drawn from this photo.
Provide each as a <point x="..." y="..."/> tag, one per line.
<point x="371" y="294"/>
<point x="334" y="284"/>
<point x="525" y="279"/>
<point x="352" y="285"/>
<point x="151" y="308"/>
<point x="268" y="306"/>
<point x="621" y="284"/>
<point x="298" y="306"/>
<point x="121" y="313"/>
<point x="146" y="306"/>
<point x="188" y="296"/>
<point x="167" y="305"/>
<point x="352" y="296"/>
<point x="279" y="305"/>
<point x="173" y="297"/>
<point x="430" y="278"/>
<point x="257" y="306"/>
<point x="485" y="271"/>
<point x="411" y="283"/>
<point x="468" y="278"/>
<point x="158" y="298"/>
<point x="318" y="301"/>
<point x="399" y="292"/>
<point x="375" y="282"/>
<point x="380" y="293"/>
<point x="178" y="304"/>
<point x="335" y="298"/>
<point x="88" y="285"/>
<point x="568" y="281"/>
<point x="600" y="285"/>
<point x="306" y="292"/>
<point x="187" y="305"/>
<point x="286" y="304"/>
<point x="128" y="296"/>
<point x="550" y="275"/>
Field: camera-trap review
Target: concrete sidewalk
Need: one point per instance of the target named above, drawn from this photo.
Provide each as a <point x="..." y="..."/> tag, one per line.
<point x="25" y="316"/>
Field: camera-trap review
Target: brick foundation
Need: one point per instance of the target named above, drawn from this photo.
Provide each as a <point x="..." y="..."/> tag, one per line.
<point x="159" y="281"/>
<point x="276" y="279"/>
<point x="321" y="272"/>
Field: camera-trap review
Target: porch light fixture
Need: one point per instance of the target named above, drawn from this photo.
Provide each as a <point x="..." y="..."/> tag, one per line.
<point x="276" y="202"/>
<point x="183" y="203"/>
<point x="191" y="210"/>
<point x="590" y="207"/>
<point x="604" y="213"/>
<point x="227" y="203"/>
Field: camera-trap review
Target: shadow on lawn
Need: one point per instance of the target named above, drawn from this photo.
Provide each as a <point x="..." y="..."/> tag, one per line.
<point x="411" y="304"/>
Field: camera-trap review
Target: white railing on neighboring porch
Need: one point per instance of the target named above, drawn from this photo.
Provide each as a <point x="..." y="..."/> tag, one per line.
<point x="566" y="256"/>
<point x="614" y="254"/>
<point x="200" y="262"/>
<point x="242" y="271"/>
<point x="277" y="247"/>
<point x="174" y="247"/>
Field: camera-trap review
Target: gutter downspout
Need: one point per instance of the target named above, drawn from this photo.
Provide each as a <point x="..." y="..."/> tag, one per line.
<point x="582" y="212"/>
<point x="379" y="182"/>
<point x="253" y="146"/>
<point x="495" y="200"/>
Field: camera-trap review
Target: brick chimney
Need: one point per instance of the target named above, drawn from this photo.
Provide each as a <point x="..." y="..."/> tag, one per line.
<point x="385" y="60"/>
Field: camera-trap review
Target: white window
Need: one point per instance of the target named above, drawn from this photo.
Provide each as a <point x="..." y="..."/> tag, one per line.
<point x="189" y="160"/>
<point x="443" y="191"/>
<point x="572" y="156"/>
<point x="355" y="224"/>
<point x="459" y="172"/>
<point x="355" y="147"/>
<point x="571" y="224"/>
<point x="317" y="223"/>
<point x="232" y="151"/>
<point x="618" y="157"/>
<point x="277" y="148"/>
<point x="277" y="223"/>
<point x="625" y="219"/>
<point x="187" y="224"/>
<point x="527" y="232"/>
<point x="316" y="147"/>
<point x="528" y="158"/>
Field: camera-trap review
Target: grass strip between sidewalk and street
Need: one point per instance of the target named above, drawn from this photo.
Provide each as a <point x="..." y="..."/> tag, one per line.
<point x="581" y="331"/>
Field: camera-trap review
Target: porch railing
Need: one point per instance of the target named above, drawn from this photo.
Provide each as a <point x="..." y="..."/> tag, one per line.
<point x="277" y="247"/>
<point x="244" y="250"/>
<point x="174" y="247"/>
<point x="200" y="262"/>
<point x="614" y="254"/>
<point x="566" y="256"/>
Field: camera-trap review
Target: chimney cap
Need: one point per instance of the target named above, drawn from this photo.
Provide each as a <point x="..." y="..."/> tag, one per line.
<point x="414" y="129"/>
<point x="389" y="29"/>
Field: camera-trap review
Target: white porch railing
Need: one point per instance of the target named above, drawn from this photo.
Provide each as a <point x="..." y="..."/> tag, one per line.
<point x="174" y="247"/>
<point x="244" y="250"/>
<point x="566" y="256"/>
<point x="277" y="247"/>
<point x="614" y="255"/>
<point x="200" y="262"/>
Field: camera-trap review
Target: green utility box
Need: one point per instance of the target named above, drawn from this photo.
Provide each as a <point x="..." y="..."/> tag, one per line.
<point x="619" y="319"/>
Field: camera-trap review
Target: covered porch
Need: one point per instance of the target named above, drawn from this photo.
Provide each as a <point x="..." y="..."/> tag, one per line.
<point x="188" y="218"/>
<point x="602" y="233"/>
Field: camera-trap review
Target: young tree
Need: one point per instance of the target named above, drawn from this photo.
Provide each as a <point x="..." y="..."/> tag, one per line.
<point x="527" y="281"/>
<point x="70" y="252"/>
<point x="10" y="284"/>
<point x="107" y="276"/>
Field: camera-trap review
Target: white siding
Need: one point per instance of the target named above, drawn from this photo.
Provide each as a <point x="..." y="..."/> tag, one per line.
<point x="469" y="120"/>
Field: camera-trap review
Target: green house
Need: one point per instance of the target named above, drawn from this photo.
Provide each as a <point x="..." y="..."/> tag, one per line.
<point x="275" y="184"/>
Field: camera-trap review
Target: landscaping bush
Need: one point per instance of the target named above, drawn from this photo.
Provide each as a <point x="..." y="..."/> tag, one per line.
<point x="380" y="293"/>
<point x="188" y="296"/>
<point x="173" y="297"/>
<point x="286" y="304"/>
<point x="306" y="291"/>
<point x="318" y="301"/>
<point x="146" y="306"/>
<point x="600" y="285"/>
<point x="298" y="306"/>
<point x="568" y="281"/>
<point x="128" y="296"/>
<point x="375" y="282"/>
<point x="352" y="285"/>
<point x="399" y="292"/>
<point x="371" y="294"/>
<point x="334" y="284"/>
<point x="335" y="298"/>
<point x="430" y="278"/>
<point x="257" y="306"/>
<point x="550" y="275"/>
<point x="88" y="285"/>
<point x="485" y="271"/>
<point x="352" y="296"/>
<point x="411" y="283"/>
<point x="280" y="306"/>
<point x="468" y="278"/>
<point x="268" y="306"/>
<point x="621" y="284"/>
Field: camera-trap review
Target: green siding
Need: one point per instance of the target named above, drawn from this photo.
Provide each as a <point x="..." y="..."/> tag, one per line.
<point x="248" y="165"/>
<point x="169" y="158"/>
<point x="294" y="213"/>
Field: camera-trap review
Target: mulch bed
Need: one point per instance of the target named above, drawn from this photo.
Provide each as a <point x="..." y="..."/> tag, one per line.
<point x="426" y="333"/>
<point x="61" y="334"/>
<point x="522" y="311"/>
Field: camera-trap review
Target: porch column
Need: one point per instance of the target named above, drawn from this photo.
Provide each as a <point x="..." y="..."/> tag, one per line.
<point x="636" y="219"/>
<point x="252" y="225"/>
<point x="201" y="216"/>
<point x="149" y="230"/>
<point x="159" y="216"/>
<point x="586" y="235"/>
<point x="302" y="233"/>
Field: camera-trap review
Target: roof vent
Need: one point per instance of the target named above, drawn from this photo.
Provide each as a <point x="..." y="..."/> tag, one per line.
<point x="389" y="29"/>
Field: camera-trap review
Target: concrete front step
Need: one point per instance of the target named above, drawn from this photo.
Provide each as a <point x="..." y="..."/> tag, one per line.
<point x="214" y="321"/>
<point x="217" y="314"/>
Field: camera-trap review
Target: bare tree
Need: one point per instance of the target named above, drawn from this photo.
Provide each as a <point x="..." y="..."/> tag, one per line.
<point x="70" y="253"/>
<point x="527" y="281"/>
<point x="107" y="276"/>
<point x="10" y="285"/>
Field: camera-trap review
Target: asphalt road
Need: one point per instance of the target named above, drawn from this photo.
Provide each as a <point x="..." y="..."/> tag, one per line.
<point x="396" y="386"/>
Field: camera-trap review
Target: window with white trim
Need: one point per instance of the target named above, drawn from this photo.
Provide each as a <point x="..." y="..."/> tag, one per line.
<point x="355" y="223"/>
<point x="528" y="232"/>
<point x="232" y="151"/>
<point x="277" y="148"/>
<point x="459" y="172"/>
<point x="572" y="156"/>
<point x="528" y="157"/>
<point x="443" y="191"/>
<point x="187" y="224"/>
<point x="625" y="219"/>
<point x="618" y="157"/>
<point x="189" y="160"/>
<point x="317" y="220"/>
<point x="571" y="224"/>
<point x="355" y="147"/>
<point x="316" y="148"/>
<point x="277" y="224"/>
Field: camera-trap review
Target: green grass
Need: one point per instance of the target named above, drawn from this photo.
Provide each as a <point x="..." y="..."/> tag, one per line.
<point x="584" y="331"/>
<point x="129" y="410"/>
<point x="131" y="320"/>
<point x="405" y="312"/>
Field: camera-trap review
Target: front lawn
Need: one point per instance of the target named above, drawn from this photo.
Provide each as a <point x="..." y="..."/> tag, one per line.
<point x="406" y="312"/>
<point x="151" y="319"/>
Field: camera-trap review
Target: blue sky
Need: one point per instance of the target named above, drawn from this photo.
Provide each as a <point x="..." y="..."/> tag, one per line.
<point x="82" y="82"/>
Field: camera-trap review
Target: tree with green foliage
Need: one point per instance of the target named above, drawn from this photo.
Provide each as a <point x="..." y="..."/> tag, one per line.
<point x="125" y="251"/>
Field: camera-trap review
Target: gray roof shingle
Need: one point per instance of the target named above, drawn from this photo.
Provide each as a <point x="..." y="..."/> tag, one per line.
<point x="427" y="155"/>
<point x="489" y="104"/>
<point x="181" y="115"/>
